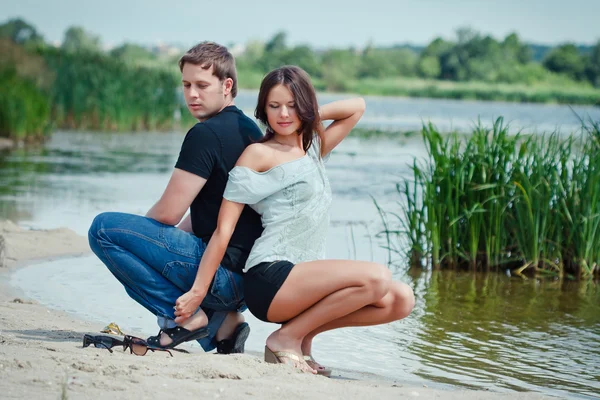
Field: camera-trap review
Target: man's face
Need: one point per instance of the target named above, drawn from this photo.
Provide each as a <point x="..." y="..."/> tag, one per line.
<point x="204" y="93"/>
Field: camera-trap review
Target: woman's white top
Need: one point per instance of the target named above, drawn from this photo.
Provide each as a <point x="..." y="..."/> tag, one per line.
<point x="293" y="200"/>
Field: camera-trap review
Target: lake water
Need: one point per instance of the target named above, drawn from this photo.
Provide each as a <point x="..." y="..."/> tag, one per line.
<point x="479" y="331"/>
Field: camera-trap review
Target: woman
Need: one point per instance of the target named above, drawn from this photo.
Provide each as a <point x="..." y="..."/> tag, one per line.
<point x="283" y="178"/>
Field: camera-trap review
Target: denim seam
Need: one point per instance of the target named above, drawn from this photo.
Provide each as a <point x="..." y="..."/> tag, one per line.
<point x="162" y="236"/>
<point x="134" y="233"/>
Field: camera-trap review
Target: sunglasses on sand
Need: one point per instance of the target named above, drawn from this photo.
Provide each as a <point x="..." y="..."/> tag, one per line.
<point x="136" y="346"/>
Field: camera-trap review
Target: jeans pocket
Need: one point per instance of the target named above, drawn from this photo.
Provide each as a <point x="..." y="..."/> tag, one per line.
<point x="179" y="242"/>
<point x="181" y="274"/>
<point x="225" y="292"/>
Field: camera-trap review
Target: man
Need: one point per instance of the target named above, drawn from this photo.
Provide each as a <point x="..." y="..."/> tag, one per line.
<point x="156" y="261"/>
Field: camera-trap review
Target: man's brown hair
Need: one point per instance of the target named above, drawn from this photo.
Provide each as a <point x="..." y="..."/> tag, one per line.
<point x="211" y="54"/>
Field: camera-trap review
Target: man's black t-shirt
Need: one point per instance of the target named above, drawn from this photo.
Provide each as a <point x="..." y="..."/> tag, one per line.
<point x="210" y="150"/>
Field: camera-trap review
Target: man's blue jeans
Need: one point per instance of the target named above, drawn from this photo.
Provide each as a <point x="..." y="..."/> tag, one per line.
<point x="157" y="263"/>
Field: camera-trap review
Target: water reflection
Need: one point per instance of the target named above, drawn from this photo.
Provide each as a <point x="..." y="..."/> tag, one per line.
<point x="490" y="330"/>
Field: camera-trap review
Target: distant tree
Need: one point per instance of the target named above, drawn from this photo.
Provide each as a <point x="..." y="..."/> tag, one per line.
<point x="274" y="53"/>
<point x="339" y="68"/>
<point x="565" y="59"/>
<point x="374" y="63"/>
<point x="77" y="39"/>
<point x="20" y="32"/>
<point x="404" y="61"/>
<point x="592" y="67"/>
<point x="429" y="67"/>
<point x="475" y="57"/>
<point x="277" y="43"/>
<point x="132" y="52"/>
<point x="430" y="59"/>
<point x="251" y="58"/>
<point x="304" y="57"/>
<point x="437" y="48"/>
<point x="513" y="48"/>
<point x="254" y="51"/>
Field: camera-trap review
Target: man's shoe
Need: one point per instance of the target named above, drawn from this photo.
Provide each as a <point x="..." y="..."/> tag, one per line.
<point x="235" y="344"/>
<point x="178" y="335"/>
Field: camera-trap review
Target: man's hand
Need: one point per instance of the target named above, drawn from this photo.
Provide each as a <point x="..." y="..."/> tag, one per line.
<point x="186" y="305"/>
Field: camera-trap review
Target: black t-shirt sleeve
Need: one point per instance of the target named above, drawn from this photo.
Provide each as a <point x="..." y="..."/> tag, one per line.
<point x="200" y="151"/>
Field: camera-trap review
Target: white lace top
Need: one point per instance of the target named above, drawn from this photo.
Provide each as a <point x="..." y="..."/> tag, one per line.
<point x="293" y="200"/>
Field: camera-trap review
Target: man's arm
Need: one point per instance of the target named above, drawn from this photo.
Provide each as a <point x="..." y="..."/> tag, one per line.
<point x="182" y="189"/>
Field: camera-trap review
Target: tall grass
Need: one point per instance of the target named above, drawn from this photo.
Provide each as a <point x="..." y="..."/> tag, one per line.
<point x="493" y="201"/>
<point x="24" y="108"/>
<point x="99" y="92"/>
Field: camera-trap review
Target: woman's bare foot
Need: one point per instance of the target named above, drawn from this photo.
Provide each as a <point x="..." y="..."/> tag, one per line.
<point x="313" y="363"/>
<point x="307" y="354"/>
<point x="194" y="322"/>
<point x="278" y="342"/>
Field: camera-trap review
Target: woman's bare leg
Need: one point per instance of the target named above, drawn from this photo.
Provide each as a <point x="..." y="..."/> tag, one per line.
<point x="395" y="305"/>
<point x="318" y="292"/>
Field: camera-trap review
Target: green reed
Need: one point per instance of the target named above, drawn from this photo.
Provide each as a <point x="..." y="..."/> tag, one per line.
<point x="493" y="200"/>
<point x="24" y="109"/>
<point x="99" y="92"/>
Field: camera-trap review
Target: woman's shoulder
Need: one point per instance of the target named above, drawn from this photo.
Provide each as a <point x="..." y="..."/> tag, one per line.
<point x="256" y="157"/>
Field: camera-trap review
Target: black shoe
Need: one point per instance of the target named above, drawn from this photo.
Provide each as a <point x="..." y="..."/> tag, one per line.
<point x="178" y="335"/>
<point x="235" y="344"/>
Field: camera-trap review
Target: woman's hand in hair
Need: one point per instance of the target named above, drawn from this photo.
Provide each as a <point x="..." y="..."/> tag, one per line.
<point x="345" y="115"/>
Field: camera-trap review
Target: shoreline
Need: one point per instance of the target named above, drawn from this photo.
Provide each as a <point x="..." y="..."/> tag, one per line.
<point x="41" y="354"/>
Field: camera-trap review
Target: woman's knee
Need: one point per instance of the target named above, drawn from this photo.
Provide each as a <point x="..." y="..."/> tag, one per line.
<point x="378" y="280"/>
<point x="403" y="300"/>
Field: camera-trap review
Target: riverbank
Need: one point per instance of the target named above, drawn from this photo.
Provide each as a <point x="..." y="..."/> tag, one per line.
<point x="41" y="355"/>
<point x="540" y="93"/>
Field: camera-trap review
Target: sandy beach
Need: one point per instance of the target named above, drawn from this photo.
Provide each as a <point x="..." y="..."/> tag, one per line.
<point x="41" y="356"/>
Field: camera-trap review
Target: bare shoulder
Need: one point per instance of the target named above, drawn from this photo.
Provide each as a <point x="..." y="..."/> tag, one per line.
<point x="256" y="156"/>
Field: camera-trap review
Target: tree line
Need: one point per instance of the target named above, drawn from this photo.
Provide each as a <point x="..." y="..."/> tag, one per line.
<point x="80" y="85"/>
<point x="471" y="57"/>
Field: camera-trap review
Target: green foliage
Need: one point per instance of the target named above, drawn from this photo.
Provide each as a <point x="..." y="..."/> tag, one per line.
<point x="304" y="57"/>
<point x="20" y="32"/>
<point x="27" y="65"/>
<point x="95" y="91"/>
<point x="472" y="57"/>
<point x="78" y="39"/>
<point x="339" y="67"/>
<point x="554" y="91"/>
<point x="82" y="89"/>
<point x="382" y="63"/>
<point x="429" y="67"/>
<point x="24" y="109"/>
<point x="565" y="59"/>
<point x="132" y="53"/>
<point x="592" y="65"/>
<point x="495" y="201"/>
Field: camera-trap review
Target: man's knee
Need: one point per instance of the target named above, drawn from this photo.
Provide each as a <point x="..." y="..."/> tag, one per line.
<point x="100" y="224"/>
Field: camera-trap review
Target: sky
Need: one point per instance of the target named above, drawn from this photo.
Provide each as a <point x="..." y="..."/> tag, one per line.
<point x="318" y="23"/>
